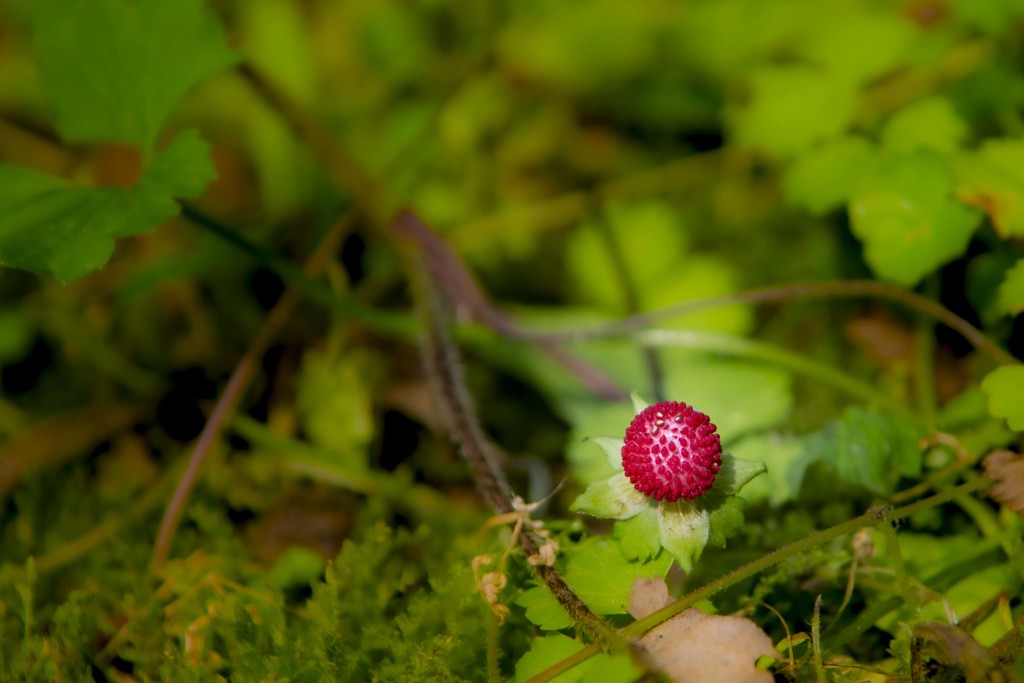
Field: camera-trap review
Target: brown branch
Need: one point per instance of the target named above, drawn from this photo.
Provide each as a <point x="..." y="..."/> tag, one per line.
<point x="459" y="286"/>
<point x="444" y="367"/>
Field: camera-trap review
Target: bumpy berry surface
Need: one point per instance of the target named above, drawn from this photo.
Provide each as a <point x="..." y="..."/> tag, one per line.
<point x="671" y="451"/>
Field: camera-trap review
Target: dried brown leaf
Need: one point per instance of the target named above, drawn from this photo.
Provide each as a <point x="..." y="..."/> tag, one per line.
<point x="1006" y="469"/>
<point x="951" y="646"/>
<point x="700" y="648"/>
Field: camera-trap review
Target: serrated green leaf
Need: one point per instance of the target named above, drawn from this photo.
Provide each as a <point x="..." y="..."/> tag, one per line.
<point x="639" y="536"/>
<point x="870" y="449"/>
<point x="824" y="178"/>
<point x="1010" y="298"/>
<point x="612" y="498"/>
<point x="792" y="108"/>
<point x="1005" y="389"/>
<point x="601" y="575"/>
<point x="905" y="215"/>
<point x="780" y="455"/>
<point x="860" y="46"/>
<point x="685" y="528"/>
<point x="993" y="180"/>
<point x="111" y="76"/>
<point x="931" y="123"/>
<point x="49" y="226"/>
<point x="543" y="609"/>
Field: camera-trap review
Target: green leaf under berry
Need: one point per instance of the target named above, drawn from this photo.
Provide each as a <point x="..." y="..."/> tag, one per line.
<point x="639" y="535"/>
<point x="551" y="649"/>
<point x="602" y="576"/>
<point x="543" y="609"/>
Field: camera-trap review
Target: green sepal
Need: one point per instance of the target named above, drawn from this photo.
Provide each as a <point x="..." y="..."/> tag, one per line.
<point x="639" y="536"/>
<point x="735" y="473"/>
<point x="612" y="448"/>
<point x="638" y="403"/>
<point x="684" y="531"/>
<point x="612" y="498"/>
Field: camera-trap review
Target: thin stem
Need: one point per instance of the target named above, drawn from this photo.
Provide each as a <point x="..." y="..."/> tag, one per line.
<point x="924" y="360"/>
<point x="870" y="518"/>
<point x="226" y="404"/>
<point x="303" y="279"/>
<point x="863" y="621"/>
<point x="493" y="674"/>
<point x="235" y="390"/>
<point x="444" y="367"/>
<point x="893" y="542"/>
<point x="626" y="284"/>
<point x="839" y="289"/>
<point x="746" y="348"/>
<point x="819" y="667"/>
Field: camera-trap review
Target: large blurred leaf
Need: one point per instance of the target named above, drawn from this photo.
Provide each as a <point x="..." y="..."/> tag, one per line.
<point x="859" y="46"/>
<point x="49" y="226"/>
<point x="993" y="180"/>
<point x="1011" y="291"/>
<point x="333" y="403"/>
<point x="867" y="448"/>
<point x="651" y="239"/>
<point x="932" y="123"/>
<point x="793" y="107"/>
<point x="1005" y="389"/>
<point x="823" y="178"/>
<point x="114" y="76"/>
<point x="569" y="44"/>
<point x="905" y="214"/>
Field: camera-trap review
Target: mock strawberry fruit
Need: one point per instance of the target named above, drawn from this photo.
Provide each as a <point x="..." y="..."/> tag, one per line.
<point x="671" y="451"/>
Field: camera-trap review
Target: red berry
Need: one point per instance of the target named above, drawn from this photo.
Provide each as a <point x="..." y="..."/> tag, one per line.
<point x="671" y="451"/>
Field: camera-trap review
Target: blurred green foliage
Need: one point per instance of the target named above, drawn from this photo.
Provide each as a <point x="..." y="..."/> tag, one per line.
<point x="586" y="161"/>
